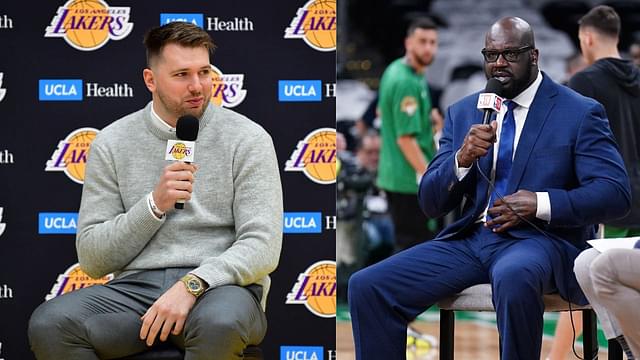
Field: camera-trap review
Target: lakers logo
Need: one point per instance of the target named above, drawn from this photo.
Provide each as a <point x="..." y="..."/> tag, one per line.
<point x="71" y="154"/>
<point x="73" y="279"/>
<point x="315" y="23"/>
<point x="227" y="89"/>
<point x="179" y="151"/>
<point x="88" y="24"/>
<point x="316" y="289"/>
<point x="315" y="156"/>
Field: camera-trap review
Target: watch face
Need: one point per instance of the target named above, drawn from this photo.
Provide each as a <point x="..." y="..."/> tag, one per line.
<point x="194" y="285"/>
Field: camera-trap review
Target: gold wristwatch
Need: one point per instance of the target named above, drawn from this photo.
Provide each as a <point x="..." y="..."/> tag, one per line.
<point x="194" y="285"/>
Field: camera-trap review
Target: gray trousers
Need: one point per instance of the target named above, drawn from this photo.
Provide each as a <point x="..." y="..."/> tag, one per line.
<point x="611" y="282"/>
<point x="103" y="321"/>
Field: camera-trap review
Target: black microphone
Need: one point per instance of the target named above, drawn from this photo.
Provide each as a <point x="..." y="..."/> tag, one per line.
<point x="491" y="99"/>
<point x="186" y="129"/>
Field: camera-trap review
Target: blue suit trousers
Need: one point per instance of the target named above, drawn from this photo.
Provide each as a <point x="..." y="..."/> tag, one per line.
<point x="386" y="296"/>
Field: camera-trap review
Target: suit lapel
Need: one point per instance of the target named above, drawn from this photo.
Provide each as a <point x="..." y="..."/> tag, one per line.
<point x="541" y="107"/>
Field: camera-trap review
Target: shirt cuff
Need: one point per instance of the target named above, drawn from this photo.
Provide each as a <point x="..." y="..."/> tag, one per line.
<point x="543" y="212"/>
<point x="436" y="139"/>
<point x="461" y="172"/>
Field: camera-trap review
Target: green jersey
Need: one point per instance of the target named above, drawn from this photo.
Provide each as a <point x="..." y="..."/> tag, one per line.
<point x="405" y="108"/>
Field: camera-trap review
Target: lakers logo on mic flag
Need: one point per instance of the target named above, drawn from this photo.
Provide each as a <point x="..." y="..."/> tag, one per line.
<point x="180" y="150"/>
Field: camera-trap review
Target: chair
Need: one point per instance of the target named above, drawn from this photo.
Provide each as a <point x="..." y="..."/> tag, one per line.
<point x="478" y="298"/>
<point x="166" y="351"/>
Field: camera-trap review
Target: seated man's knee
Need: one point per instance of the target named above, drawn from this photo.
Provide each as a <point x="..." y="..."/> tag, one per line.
<point x="582" y="266"/>
<point x="219" y="326"/>
<point x="516" y="281"/>
<point x="47" y="322"/>
<point x="361" y="283"/>
<point x="603" y="272"/>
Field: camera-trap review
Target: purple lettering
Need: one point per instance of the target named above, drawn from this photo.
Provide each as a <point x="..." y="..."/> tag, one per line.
<point x="298" y="162"/>
<point x="317" y="22"/>
<point x="301" y="23"/>
<point x="106" y="21"/>
<point x="60" y="159"/>
<point x="300" y="295"/>
<point x="113" y="29"/>
<point x="61" y="22"/>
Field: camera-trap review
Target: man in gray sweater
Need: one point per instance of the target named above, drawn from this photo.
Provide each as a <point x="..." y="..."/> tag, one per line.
<point x="198" y="276"/>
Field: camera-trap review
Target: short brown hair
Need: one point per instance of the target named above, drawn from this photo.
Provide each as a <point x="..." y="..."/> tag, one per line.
<point x="424" y="23"/>
<point x="178" y="32"/>
<point x="604" y="19"/>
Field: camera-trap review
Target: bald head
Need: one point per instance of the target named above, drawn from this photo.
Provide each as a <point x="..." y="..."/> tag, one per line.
<point x="510" y="55"/>
<point x="512" y="30"/>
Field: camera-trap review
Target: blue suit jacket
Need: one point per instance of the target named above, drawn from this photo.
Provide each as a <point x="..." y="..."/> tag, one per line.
<point x="566" y="149"/>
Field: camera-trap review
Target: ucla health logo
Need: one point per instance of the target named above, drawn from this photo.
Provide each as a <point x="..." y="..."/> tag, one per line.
<point x="315" y="23"/>
<point x="213" y="23"/>
<point x="57" y="223"/>
<point x="315" y="156"/>
<point x="3" y="92"/>
<point x="227" y="89"/>
<point x="301" y="352"/>
<point x="302" y="223"/>
<point x="71" y="154"/>
<point x="89" y="24"/>
<point x="73" y="90"/>
<point x="299" y="90"/>
<point x="74" y="278"/>
<point x="316" y="289"/>
<point x="60" y="90"/>
<point x="195" y="19"/>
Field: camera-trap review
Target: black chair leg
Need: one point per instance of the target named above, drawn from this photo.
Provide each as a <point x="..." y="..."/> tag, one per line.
<point x="447" y="327"/>
<point x="615" y="350"/>
<point x="589" y="334"/>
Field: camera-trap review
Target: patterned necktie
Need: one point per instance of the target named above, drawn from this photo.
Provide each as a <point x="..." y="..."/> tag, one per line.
<point x="505" y="152"/>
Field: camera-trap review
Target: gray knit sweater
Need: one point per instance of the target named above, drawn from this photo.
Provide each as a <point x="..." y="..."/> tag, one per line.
<point x="230" y="230"/>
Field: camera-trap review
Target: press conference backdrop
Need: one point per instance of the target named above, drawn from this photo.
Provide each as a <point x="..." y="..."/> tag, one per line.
<point x="68" y="69"/>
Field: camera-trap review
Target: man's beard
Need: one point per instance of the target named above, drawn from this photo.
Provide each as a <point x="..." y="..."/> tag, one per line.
<point x="518" y="85"/>
<point x="178" y="110"/>
<point x="424" y="62"/>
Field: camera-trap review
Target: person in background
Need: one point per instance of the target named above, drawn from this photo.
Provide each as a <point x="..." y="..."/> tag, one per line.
<point x="573" y="64"/>
<point x="615" y="83"/>
<point x="634" y="51"/>
<point x="407" y="139"/>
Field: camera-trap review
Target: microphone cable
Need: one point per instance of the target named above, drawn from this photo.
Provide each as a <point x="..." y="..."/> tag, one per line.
<point x="550" y="236"/>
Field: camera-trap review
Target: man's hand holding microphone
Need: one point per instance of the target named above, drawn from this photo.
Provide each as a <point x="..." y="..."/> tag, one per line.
<point x="507" y="213"/>
<point x="176" y="182"/>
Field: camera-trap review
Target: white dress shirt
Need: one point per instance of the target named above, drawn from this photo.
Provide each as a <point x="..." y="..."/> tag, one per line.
<point x="162" y="122"/>
<point x="524" y="100"/>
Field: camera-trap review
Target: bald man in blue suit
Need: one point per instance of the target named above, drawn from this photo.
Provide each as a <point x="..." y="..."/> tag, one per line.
<point x="551" y="157"/>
